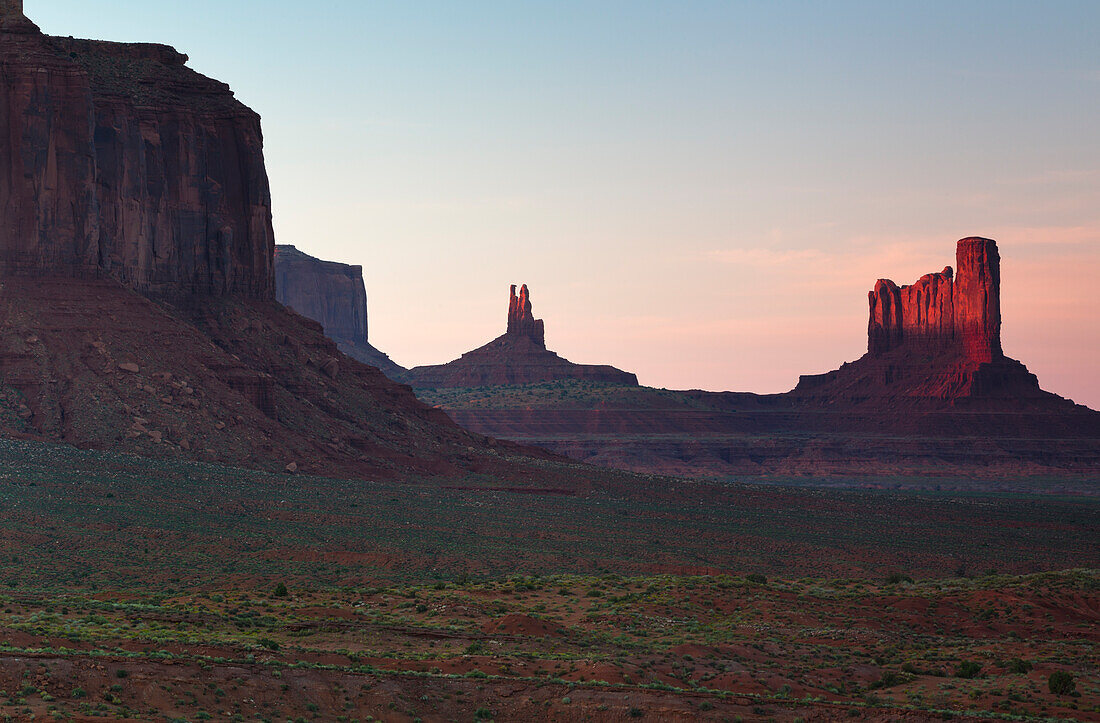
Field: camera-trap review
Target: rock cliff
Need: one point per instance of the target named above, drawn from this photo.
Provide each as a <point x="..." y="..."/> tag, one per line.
<point x="121" y="161"/>
<point x="519" y="356"/>
<point x="941" y="312"/>
<point x="137" y="284"/>
<point x="938" y="339"/>
<point x="332" y="294"/>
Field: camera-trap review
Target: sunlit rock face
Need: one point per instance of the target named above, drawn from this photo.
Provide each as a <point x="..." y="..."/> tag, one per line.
<point x="942" y="311"/>
<point x="521" y="322"/>
<point x="939" y="338"/>
<point x="123" y="162"/>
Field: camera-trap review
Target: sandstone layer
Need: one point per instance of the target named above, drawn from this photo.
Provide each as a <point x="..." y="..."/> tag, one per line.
<point x="334" y="295"/>
<point x="519" y="356"/>
<point x="121" y="161"/>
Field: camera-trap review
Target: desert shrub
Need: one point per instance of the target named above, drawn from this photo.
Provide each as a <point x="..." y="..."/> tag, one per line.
<point x="1061" y="682"/>
<point x="483" y="714"/>
<point x="896" y="578"/>
<point x="756" y="578"/>
<point x="1016" y="665"/>
<point x="635" y="713"/>
<point x="889" y="679"/>
<point x="280" y="590"/>
<point x="79" y="693"/>
<point x="269" y="643"/>
<point x="968" y="669"/>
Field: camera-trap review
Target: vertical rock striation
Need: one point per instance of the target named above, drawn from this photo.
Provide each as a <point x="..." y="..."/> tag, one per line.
<point x="120" y="161"/>
<point x="942" y="312"/>
<point x="939" y="338"/>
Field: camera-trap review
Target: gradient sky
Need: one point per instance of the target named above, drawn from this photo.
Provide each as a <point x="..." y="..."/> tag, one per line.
<point x="700" y="192"/>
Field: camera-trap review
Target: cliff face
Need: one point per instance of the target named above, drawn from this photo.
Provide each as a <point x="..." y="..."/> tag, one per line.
<point x="333" y="295"/>
<point x="937" y="339"/>
<point x="122" y="161"/>
<point x="330" y="293"/>
<point x="942" y="313"/>
<point x="519" y="356"/>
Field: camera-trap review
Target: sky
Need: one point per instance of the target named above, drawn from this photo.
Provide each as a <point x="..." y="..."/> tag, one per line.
<point x="698" y="192"/>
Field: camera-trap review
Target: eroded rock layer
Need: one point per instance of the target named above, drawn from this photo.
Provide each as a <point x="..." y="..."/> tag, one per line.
<point x="519" y="356"/>
<point x="122" y="161"/>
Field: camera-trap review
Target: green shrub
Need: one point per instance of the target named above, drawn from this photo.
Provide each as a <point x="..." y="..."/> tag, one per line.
<point x="756" y="578"/>
<point x="483" y="714"/>
<point x="1018" y="666"/>
<point x="897" y="578"/>
<point x="1061" y="682"/>
<point x="280" y="590"/>
<point x="968" y="669"/>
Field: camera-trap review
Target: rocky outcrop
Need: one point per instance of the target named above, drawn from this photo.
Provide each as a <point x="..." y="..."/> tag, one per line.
<point x="332" y="294"/>
<point x="521" y="322"/>
<point x="938" y="339"/>
<point x="519" y="356"/>
<point x="137" y="285"/>
<point x="123" y="162"/>
<point x="943" y="313"/>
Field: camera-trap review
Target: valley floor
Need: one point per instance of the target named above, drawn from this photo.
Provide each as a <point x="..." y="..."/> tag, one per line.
<point x="154" y="590"/>
<point x="560" y="648"/>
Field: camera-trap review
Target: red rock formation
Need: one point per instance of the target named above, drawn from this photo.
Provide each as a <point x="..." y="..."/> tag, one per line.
<point x="124" y="162"/>
<point x="519" y="356"/>
<point x="940" y="313"/>
<point x="521" y="321"/>
<point x="332" y="294"/>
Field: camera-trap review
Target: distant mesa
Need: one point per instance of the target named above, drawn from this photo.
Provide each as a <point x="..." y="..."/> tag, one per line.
<point x="934" y="394"/>
<point x="334" y="295"/>
<point x="519" y="356"/>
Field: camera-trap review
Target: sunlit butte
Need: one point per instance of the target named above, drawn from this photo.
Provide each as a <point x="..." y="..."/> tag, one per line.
<point x="700" y="193"/>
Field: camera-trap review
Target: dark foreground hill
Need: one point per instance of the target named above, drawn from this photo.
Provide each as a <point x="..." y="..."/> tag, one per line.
<point x="935" y="394"/>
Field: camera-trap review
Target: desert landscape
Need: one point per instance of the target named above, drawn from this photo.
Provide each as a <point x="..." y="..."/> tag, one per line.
<point x="220" y="500"/>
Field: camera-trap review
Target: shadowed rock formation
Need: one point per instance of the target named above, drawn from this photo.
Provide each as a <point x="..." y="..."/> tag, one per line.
<point x="123" y="162"/>
<point x="137" y="284"/>
<point x="332" y="294"/>
<point x="519" y="356"/>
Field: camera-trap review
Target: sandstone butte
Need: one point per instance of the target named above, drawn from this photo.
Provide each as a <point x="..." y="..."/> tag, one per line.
<point x="936" y="339"/>
<point x="934" y="394"/>
<point x="137" y="235"/>
<point x="519" y="356"/>
<point x="334" y="295"/>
